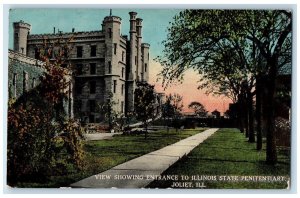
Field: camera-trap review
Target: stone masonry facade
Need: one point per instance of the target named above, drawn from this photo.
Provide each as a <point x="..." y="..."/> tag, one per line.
<point x="106" y="64"/>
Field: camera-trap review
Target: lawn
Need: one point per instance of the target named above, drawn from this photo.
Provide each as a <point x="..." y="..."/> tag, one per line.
<point x="102" y="155"/>
<point x="227" y="153"/>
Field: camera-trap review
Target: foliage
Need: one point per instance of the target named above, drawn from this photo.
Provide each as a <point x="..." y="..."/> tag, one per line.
<point x="144" y="103"/>
<point x="230" y="49"/>
<point x="198" y="108"/>
<point x="41" y="141"/>
<point x="173" y="108"/>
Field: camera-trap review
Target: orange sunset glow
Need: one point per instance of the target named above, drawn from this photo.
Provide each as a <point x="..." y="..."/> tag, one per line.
<point x="189" y="90"/>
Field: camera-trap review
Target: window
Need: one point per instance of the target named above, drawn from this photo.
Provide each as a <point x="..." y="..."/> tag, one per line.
<point x="78" y="88"/>
<point x="122" y="89"/>
<point x="33" y="82"/>
<point x="115" y="48"/>
<point x="92" y="87"/>
<point x="92" y="105"/>
<point x="79" y="69"/>
<point x="91" y="118"/>
<point x="15" y="84"/>
<point x="36" y="53"/>
<point x="148" y="55"/>
<point x="79" y="51"/>
<point x="123" y="70"/>
<point x="93" y="50"/>
<point x="122" y="107"/>
<point x="145" y="67"/>
<point x="79" y="105"/>
<point x="22" y="50"/>
<point x="123" y="53"/>
<point x="92" y="68"/>
<point x="109" y="67"/>
<point x="16" y="35"/>
<point x="109" y="32"/>
<point x="115" y="86"/>
<point x="25" y="81"/>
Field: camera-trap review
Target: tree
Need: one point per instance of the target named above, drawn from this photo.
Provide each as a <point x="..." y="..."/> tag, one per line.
<point x="175" y="104"/>
<point x="144" y="103"/>
<point x="42" y="140"/>
<point x="230" y="49"/>
<point x="198" y="108"/>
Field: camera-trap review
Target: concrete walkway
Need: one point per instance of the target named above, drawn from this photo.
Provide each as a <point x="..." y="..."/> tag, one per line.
<point x="99" y="136"/>
<point x="141" y="171"/>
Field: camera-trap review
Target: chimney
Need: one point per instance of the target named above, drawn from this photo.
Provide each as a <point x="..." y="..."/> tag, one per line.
<point x="73" y="30"/>
<point x="53" y="30"/>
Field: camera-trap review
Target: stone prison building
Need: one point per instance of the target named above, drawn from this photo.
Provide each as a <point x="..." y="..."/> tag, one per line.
<point x="108" y="65"/>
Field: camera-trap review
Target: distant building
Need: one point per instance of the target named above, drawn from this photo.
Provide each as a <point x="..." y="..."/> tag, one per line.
<point x="106" y="64"/>
<point x="216" y="114"/>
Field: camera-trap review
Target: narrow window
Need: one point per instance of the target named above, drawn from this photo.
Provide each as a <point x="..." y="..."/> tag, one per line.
<point x="122" y="90"/>
<point x="115" y="48"/>
<point x="78" y="88"/>
<point x="115" y="86"/>
<point x="15" y="84"/>
<point x="79" y="51"/>
<point x="109" y="67"/>
<point x="145" y="67"/>
<point x="122" y="107"/>
<point x="22" y="50"/>
<point x="148" y="55"/>
<point x="25" y="81"/>
<point x="93" y="50"/>
<point x="109" y="32"/>
<point x="91" y="118"/>
<point x="123" y="53"/>
<point x="123" y="71"/>
<point x="16" y="35"/>
<point x="92" y="105"/>
<point x="79" y="69"/>
<point x="92" y="87"/>
<point x="33" y="82"/>
<point x="92" y="68"/>
<point x="36" y="53"/>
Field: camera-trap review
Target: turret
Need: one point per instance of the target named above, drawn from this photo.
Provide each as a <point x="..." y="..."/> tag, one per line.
<point x="111" y="27"/>
<point x="139" y="70"/>
<point x="21" y="32"/>
<point x="145" y="63"/>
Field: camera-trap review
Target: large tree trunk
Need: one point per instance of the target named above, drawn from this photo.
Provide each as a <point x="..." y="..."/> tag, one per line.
<point x="240" y="118"/>
<point x="258" y="113"/>
<point x="246" y="115"/>
<point x="250" y="116"/>
<point x="271" y="140"/>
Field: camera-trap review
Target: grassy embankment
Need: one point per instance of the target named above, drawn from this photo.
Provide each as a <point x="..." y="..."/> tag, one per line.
<point x="227" y="153"/>
<point x="102" y="155"/>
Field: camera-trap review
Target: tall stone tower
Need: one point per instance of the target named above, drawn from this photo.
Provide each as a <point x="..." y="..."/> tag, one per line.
<point x="21" y="32"/>
<point x="145" y="62"/>
<point x="139" y="49"/>
<point x="111" y="28"/>
<point x="132" y="73"/>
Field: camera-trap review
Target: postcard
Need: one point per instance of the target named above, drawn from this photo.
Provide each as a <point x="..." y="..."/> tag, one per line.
<point x="149" y="98"/>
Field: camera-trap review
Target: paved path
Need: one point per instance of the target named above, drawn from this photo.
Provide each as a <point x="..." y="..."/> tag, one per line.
<point x="143" y="168"/>
<point x="99" y="136"/>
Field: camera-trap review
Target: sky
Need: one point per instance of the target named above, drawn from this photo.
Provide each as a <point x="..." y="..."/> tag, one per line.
<point x="154" y="31"/>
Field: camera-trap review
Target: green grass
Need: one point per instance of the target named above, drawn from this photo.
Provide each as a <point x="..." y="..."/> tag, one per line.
<point x="227" y="152"/>
<point x="102" y="155"/>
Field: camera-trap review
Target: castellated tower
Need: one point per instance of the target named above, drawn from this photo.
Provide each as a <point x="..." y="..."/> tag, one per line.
<point x="145" y="62"/>
<point x="132" y="67"/>
<point x="21" y="32"/>
<point x="115" y="63"/>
